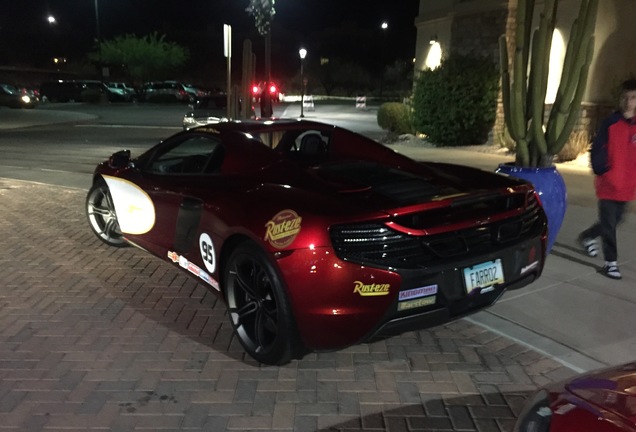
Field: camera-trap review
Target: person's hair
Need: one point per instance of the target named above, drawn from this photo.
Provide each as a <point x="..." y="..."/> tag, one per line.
<point x="626" y="86"/>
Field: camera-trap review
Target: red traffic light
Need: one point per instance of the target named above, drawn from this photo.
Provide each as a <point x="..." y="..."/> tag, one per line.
<point x="272" y="89"/>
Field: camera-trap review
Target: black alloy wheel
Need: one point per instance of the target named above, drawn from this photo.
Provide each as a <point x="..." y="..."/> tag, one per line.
<point x="258" y="307"/>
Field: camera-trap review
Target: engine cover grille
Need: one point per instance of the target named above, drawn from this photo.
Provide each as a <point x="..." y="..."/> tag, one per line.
<point x="380" y="245"/>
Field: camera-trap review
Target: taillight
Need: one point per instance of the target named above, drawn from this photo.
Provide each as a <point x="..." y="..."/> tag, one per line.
<point x="255" y="89"/>
<point x="272" y="89"/>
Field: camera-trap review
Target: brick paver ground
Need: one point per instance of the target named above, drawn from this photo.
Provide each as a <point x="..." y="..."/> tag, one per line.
<point x="99" y="338"/>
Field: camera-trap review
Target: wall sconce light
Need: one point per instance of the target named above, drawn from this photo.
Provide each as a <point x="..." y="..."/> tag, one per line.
<point x="433" y="40"/>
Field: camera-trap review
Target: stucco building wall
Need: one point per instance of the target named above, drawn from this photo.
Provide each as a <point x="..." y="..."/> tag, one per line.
<point x="476" y="25"/>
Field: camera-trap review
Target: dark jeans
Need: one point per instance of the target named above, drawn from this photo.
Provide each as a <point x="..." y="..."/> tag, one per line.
<point x="610" y="214"/>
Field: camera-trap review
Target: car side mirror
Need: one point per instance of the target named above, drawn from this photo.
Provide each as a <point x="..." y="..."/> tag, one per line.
<point x="120" y="159"/>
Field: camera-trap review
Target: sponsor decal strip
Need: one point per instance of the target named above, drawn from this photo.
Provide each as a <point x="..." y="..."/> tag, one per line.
<point x="420" y="302"/>
<point x="418" y="292"/>
<point x="193" y="268"/>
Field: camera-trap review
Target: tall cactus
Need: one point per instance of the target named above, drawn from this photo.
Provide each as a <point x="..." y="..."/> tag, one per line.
<point x="537" y="142"/>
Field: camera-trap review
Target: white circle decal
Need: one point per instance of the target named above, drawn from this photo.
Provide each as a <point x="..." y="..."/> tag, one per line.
<point x="207" y="252"/>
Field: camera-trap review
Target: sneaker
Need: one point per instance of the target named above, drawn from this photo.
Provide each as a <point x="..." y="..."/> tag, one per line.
<point x="591" y="246"/>
<point x="611" y="271"/>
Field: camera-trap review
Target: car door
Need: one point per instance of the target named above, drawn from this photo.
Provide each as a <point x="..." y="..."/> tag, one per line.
<point x="174" y="178"/>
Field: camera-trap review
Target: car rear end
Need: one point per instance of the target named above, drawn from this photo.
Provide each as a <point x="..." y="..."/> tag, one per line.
<point x="416" y="265"/>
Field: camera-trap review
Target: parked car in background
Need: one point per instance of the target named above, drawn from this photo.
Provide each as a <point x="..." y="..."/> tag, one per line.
<point x="206" y="110"/>
<point x="61" y="91"/>
<point x="195" y="91"/>
<point x="167" y="91"/>
<point x="316" y="237"/>
<point x="599" y="401"/>
<point x="11" y="96"/>
<point x="128" y="93"/>
<point x="81" y="91"/>
<point x="259" y="88"/>
<point x="95" y="87"/>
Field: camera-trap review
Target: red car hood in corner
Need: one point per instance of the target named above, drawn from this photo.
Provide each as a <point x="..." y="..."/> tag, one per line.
<point x="613" y="389"/>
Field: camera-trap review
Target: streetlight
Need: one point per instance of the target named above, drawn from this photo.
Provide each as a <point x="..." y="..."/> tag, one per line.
<point x="303" y="53"/>
<point x="383" y="26"/>
<point x="51" y="19"/>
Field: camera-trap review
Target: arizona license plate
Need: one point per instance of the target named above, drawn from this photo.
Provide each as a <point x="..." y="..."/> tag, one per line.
<point x="483" y="275"/>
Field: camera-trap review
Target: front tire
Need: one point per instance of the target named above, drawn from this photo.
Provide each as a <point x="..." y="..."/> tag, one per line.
<point x="101" y="215"/>
<point x="258" y="307"/>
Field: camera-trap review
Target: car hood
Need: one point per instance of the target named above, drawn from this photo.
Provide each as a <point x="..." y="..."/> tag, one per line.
<point x="391" y="187"/>
<point x="613" y="389"/>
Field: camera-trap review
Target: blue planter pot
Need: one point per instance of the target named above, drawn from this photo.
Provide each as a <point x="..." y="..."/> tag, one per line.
<point x="551" y="188"/>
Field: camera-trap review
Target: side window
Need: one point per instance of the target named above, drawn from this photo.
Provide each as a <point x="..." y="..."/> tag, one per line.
<point x="194" y="155"/>
<point x="271" y="138"/>
<point x="311" y="143"/>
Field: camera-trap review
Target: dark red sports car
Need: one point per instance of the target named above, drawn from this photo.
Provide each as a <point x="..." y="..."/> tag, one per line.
<point x="598" y="401"/>
<point x="318" y="238"/>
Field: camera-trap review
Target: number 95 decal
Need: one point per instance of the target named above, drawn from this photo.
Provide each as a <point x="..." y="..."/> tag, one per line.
<point x="207" y="252"/>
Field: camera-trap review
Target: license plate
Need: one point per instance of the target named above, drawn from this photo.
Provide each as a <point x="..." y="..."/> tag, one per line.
<point x="483" y="275"/>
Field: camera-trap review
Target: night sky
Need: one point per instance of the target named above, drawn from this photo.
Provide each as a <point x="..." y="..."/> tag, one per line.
<point x="26" y="37"/>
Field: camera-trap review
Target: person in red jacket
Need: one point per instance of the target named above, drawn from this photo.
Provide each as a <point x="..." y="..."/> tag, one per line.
<point x="613" y="158"/>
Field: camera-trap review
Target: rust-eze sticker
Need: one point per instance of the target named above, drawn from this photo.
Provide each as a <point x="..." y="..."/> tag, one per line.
<point x="372" y="289"/>
<point x="282" y="229"/>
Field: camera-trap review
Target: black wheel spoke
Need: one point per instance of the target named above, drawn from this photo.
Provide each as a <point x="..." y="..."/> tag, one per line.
<point x="111" y="228"/>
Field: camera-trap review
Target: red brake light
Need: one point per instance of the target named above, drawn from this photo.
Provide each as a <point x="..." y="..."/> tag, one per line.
<point x="255" y="89"/>
<point x="272" y="89"/>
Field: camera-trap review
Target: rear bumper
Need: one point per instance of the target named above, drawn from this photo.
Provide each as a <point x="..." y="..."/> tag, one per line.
<point x="338" y="303"/>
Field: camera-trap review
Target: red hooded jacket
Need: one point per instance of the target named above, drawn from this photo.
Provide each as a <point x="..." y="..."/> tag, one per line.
<point x="613" y="157"/>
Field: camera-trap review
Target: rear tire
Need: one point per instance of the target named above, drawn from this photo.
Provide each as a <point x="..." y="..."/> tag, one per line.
<point x="258" y="307"/>
<point x="101" y="215"/>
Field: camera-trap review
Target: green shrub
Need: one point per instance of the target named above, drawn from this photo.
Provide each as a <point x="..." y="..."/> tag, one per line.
<point x="455" y="104"/>
<point x="395" y="117"/>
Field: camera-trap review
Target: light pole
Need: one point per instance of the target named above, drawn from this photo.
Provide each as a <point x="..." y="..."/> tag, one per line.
<point x="303" y="53"/>
<point x="98" y="42"/>
<point x="383" y="26"/>
<point x="53" y="38"/>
